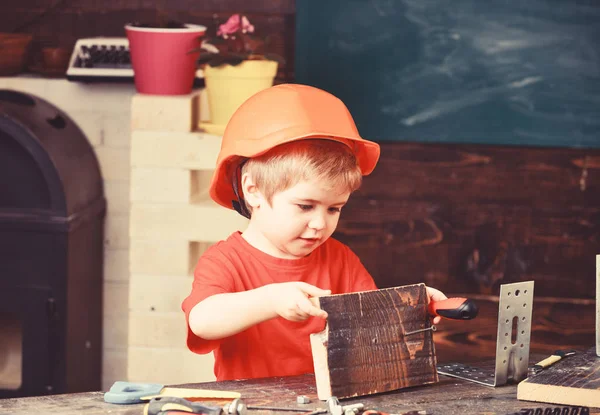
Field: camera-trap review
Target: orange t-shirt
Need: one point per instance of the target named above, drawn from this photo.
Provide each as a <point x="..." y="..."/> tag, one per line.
<point x="276" y="347"/>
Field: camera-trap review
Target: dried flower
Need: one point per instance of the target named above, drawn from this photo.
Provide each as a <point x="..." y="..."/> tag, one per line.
<point x="234" y="44"/>
<point x="235" y="23"/>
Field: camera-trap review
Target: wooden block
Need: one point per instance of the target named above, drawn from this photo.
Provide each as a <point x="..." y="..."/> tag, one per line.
<point x="156" y="329"/>
<point x="363" y="349"/>
<point x="168" y="365"/>
<point x="571" y="381"/>
<point x="158" y="293"/>
<point x="182" y="150"/>
<point x="159" y="257"/>
<point x="207" y="222"/>
<point x="165" y="112"/>
<point x="168" y="185"/>
<point x="157" y="185"/>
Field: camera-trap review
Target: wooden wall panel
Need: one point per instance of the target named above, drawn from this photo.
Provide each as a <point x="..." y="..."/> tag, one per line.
<point x="467" y="218"/>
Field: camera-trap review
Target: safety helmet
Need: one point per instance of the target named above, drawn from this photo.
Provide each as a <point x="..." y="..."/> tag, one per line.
<point x="277" y="115"/>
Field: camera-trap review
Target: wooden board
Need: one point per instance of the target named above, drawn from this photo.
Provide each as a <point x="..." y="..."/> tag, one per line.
<point x="363" y="350"/>
<point x="571" y="381"/>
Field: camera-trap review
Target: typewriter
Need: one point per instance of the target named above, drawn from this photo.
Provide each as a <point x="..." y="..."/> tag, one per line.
<point x="103" y="59"/>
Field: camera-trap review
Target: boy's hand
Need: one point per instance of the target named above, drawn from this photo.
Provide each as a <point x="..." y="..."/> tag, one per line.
<point x="290" y="300"/>
<point x="435" y="295"/>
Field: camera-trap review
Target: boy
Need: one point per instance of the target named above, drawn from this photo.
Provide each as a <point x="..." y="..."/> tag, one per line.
<point x="290" y="158"/>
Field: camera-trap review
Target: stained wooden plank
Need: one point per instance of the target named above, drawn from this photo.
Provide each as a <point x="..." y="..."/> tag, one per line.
<point x="474" y="248"/>
<point x="571" y="381"/>
<point x="364" y="348"/>
<point x="466" y="218"/>
<point x="486" y="174"/>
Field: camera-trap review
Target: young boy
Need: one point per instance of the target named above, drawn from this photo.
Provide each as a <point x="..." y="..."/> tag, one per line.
<point x="290" y="158"/>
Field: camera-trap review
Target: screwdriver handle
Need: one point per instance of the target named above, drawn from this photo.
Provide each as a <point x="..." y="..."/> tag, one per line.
<point x="456" y="308"/>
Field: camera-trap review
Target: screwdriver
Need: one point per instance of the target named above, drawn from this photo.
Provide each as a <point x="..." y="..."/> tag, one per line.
<point x="456" y="308"/>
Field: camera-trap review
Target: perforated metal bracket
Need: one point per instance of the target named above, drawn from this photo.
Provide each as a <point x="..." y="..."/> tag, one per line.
<point x="512" y="341"/>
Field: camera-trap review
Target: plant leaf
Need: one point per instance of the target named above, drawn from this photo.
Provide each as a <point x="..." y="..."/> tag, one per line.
<point x="217" y="60"/>
<point x="275" y="57"/>
<point x="234" y="60"/>
<point x="206" y="57"/>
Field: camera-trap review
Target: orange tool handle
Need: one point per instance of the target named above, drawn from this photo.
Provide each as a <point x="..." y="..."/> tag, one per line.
<point x="456" y="308"/>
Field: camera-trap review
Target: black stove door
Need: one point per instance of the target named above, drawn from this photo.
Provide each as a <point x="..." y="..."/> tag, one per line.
<point x="29" y="361"/>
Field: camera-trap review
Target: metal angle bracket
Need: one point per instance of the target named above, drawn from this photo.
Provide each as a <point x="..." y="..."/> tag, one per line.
<point x="512" y="342"/>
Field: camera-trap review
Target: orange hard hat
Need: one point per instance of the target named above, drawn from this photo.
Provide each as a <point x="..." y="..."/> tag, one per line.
<point x="281" y="114"/>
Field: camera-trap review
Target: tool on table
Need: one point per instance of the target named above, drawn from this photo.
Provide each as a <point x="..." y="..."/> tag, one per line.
<point x="238" y="407"/>
<point x="456" y="308"/>
<point x="302" y="399"/>
<point x="512" y="341"/>
<point x="335" y="408"/>
<point x="160" y="405"/>
<point x="549" y="361"/>
<point x="130" y="392"/>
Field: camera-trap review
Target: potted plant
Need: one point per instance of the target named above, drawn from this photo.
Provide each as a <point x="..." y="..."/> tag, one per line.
<point x="163" y="56"/>
<point x="236" y="65"/>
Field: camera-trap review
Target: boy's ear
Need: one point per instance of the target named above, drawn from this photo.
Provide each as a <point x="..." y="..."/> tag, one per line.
<point x="252" y="195"/>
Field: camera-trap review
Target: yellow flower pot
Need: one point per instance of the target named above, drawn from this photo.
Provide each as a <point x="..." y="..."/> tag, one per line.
<point x="229" y="86"/>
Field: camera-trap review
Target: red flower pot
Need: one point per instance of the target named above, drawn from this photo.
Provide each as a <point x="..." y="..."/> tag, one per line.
<point x="161" y="58"/>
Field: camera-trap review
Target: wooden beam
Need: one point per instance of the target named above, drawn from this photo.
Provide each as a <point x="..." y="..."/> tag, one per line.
<point x="572" y="381"/>
<point x="364" y="348"/>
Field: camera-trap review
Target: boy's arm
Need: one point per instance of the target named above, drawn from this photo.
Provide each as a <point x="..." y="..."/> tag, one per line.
<point x="223" y="315"/>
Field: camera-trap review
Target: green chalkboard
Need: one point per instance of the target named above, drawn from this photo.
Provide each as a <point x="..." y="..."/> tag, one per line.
<point x="519" y="72"/>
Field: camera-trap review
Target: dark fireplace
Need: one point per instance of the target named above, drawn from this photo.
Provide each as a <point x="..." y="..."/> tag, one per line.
<point x="52" y="211"/>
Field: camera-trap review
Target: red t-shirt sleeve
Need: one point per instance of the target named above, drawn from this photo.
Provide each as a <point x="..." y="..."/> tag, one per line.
<point x="361" y="280"/>
<point x="211" y="276"/>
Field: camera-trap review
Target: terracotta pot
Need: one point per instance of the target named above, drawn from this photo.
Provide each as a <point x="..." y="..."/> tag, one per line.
<point x="162" y="64"/>
<point x="55" y="59"/>
<point x="14" y="50"/>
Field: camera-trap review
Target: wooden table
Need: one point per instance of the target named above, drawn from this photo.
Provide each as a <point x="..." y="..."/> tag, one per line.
<point x="449" y="396"/>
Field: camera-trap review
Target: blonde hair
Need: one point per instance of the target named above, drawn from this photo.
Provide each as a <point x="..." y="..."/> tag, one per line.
<point x="285" y="165"/>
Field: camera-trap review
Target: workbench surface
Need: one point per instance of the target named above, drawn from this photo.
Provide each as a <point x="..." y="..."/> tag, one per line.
<point x="449" y="396"/>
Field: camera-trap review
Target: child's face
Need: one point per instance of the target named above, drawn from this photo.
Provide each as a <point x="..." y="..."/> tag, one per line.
<point x="299" y="219"/>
